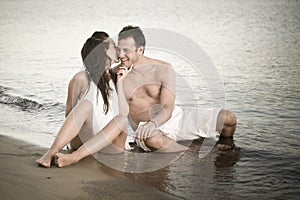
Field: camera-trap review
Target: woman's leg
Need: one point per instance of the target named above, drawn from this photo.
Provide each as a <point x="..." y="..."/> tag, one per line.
<point x="75" y="143"/>
<point x="117" y="146"/>
<point x="68" y="131"/>
<point x="86" y="132"/>
<point x="114" y="131"/>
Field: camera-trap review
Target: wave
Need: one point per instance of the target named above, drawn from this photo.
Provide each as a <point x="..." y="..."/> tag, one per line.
<point x="24" y="103"/>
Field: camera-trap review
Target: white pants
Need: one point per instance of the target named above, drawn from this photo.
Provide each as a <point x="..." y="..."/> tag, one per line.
<point x="191" y="124"/>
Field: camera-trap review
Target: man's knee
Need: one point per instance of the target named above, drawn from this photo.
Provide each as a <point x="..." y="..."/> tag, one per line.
<point x="230" y="118"/>
<point x="226" y="117"/>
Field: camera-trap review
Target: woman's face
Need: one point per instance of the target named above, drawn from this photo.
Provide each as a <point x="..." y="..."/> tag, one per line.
<point x="111" y="53"/>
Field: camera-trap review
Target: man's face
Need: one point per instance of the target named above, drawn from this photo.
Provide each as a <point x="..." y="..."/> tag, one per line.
<point x="128" y="53"/>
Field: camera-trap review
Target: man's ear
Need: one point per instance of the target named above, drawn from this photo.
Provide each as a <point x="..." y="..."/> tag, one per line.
<point x="140" y="50"/>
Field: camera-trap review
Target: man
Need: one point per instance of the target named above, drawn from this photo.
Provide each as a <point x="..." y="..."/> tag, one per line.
<point x="148" y="87"/>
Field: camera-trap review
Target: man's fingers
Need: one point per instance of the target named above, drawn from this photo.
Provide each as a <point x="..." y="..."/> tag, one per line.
<point x="147" y="134"/>
<point x="143" y="146"/>
<point x="123" y="68"/>
<point x="143" y="133"/>
<point x="139" y="135"/>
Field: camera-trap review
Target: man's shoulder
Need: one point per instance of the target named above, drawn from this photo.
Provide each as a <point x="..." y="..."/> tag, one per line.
<point x="160" y="63"/>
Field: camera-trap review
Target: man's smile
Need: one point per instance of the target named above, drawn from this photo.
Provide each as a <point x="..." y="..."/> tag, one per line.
<point x="123" y="60"/>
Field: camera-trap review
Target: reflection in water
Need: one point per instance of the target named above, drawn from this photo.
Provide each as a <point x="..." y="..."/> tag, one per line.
<point x="189" y="176"/>
<point x="138" y="161"/>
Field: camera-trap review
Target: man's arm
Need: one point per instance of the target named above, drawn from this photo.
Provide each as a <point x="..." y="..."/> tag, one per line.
<point x="159" y="114"/>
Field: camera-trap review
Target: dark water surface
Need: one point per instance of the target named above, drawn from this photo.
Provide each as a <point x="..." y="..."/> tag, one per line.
<point x="255" y="45"/>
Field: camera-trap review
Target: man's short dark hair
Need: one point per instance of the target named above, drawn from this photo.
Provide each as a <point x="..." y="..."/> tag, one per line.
<point x="135" y="32"/>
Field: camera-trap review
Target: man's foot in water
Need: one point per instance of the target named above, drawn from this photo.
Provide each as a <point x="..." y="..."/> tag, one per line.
<point x="225" y="143"/>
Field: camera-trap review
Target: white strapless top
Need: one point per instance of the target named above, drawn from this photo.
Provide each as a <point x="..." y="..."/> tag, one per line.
<point x="100" y="119"/>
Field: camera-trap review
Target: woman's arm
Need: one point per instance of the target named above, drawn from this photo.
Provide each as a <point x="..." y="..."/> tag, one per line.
<point x="77" y="86"/>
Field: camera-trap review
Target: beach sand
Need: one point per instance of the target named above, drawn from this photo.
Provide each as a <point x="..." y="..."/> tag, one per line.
<point x="22" y="178"/>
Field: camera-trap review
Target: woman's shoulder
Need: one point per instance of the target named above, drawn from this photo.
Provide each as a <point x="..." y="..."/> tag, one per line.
<point x="81" y="76"/>
<point x="80" y="79"/>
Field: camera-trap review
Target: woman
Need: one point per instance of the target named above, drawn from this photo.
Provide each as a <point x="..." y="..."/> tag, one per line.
<point x="87" y="111"/>
<point x="80" y="83"/>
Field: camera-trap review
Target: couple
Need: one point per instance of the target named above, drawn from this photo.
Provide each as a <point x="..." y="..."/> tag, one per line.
<point x="145" y="93"/>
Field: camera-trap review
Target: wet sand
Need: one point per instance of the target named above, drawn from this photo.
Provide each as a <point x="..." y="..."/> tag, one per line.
<point x="22" y="178"/>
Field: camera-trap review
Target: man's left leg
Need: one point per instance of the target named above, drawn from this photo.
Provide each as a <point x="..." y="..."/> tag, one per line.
<point x="161" y="143"/>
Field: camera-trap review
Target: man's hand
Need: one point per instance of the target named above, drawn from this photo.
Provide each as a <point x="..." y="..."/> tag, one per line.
<point x="122" y="71"/>
<point x="145" y="131"/>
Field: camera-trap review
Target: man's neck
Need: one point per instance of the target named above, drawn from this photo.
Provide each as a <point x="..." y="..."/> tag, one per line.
<point x="141" y="61"/>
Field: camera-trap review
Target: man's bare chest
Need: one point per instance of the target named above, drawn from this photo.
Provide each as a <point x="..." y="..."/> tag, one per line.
<point x="145" y="92"/>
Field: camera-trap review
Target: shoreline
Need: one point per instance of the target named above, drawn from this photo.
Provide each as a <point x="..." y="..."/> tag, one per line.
<point x="22" y="178"/>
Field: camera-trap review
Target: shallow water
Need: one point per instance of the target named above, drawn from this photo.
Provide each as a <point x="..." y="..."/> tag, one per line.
<point x="255" y="46"/>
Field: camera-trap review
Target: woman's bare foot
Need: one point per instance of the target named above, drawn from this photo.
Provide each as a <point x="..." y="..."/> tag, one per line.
<point x="63" y="160"/>
<point x="46" y="159"/>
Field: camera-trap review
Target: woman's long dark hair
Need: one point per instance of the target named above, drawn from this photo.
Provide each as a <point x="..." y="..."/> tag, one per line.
<point x="94" y="57"/>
